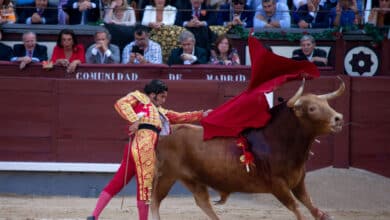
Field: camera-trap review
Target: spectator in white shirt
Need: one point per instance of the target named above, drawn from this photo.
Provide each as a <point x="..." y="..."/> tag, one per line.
<point x="159" y="14"/>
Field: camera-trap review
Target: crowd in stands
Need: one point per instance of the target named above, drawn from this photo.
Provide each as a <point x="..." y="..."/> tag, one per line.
<point x="198" y="43"/>
<point x="197" y="13"/>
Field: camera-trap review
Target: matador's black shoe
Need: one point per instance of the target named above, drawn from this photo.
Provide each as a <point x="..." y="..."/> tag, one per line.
<point x="91" y="218"/>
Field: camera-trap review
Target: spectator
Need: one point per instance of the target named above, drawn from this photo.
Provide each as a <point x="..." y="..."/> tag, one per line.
<point x="188" y="53"/>
<point x="236" y="13"/>
<point x="6" y="52"/>
<point x="39" y="12"/>
<point x="29" y="51"/>
<point x="380" y="16"/>
<point x="68" y="53"/>
<point x="102" y="51"/>
<point x="224" y="53"/>
<point x="311" y="15"/>
<point x="119" y="12"/>
<point x="7" y="14"/>
<point x="345" y="13"/>
<point x="159" y="14"/>
<point x="142" y="50"/>
<point x="309" y="52"/>
<point x="272" y="15"/>
<point x="197" y="17"/>
<point x="63" y="17"/>
<point x="83" y="11"/>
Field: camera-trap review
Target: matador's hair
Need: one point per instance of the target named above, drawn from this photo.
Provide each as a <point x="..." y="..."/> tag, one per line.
<point x="155" y="86"/>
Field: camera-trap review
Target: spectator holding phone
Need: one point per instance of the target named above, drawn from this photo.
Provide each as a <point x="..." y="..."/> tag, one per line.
<point x="142" y="50"/>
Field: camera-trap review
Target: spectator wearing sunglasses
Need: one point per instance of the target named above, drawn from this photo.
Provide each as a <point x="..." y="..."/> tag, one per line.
<point x="236" y="13"/>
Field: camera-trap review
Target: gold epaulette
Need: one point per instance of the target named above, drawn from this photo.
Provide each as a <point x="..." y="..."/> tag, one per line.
<point x="144" y="99"/>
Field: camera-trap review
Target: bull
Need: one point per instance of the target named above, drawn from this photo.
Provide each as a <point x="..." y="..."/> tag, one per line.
<point x="280" y="151"/>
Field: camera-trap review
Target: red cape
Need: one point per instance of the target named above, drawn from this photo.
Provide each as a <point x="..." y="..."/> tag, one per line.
<point x="250" y="108"/>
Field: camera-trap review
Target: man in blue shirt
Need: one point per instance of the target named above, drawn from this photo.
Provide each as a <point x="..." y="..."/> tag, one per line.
<point x="346" y="13"/>
<point x="272" y="15"/>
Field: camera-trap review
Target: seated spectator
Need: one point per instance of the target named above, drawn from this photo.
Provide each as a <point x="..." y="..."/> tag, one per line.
<point x="311" y="15"/>
<point x="67" y="52"/>
<point x="188" y="53"/>
<point x="345" y="13"/>
<point x="30" y="51"/>
<point x="63" y="17"/>
<point x="272" y="15"/>
<point x="119" y="12"/>
<point x="6" y="52"/>
<point x="236" y="13"/>
<point x="224" y="53"/>
<point x="39" y="12"/>
<point x="380" y="16"/>
<point x="82" y="11"/>
<point x="254" y="4"/>
<point x="7" y="13"/>
<point x="102" y="51"/>
<point x="197" y="15"/>
<point x="196" y="18"/>
<point x="159" y="14"/>
<point x="142" y="50"/>
<point x="309" y="52"/>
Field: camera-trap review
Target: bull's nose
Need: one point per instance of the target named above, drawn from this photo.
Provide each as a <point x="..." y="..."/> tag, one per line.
<point x="338" y="118"/>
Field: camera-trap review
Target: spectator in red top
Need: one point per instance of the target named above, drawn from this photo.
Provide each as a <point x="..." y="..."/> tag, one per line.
<point x="68" y="53"/>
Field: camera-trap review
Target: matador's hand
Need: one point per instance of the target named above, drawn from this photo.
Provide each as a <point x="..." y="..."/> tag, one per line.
<point x="205" y="113"/>
<point x="133" y="128"/>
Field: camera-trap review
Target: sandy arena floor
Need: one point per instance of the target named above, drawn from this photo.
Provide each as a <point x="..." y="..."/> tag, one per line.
<point x="351" y="194"/>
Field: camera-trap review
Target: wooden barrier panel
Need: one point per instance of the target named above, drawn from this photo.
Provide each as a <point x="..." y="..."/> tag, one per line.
<point x="370" y="124"/>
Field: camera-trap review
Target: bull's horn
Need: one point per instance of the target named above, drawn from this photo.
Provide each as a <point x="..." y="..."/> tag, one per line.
<point x="292" y="100"/>
<point x="336" y="93"/>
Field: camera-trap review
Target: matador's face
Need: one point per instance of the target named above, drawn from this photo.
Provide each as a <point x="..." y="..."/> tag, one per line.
<point x="158" y="99"/>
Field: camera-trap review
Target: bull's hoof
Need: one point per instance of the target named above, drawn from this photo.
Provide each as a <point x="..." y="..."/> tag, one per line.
<point x="220" y="202"/>
<point x="91" y="218"/>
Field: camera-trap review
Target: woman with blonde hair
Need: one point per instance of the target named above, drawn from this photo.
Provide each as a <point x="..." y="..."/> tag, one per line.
<point x="159" y="14"/>
<point x="119" y="12"/>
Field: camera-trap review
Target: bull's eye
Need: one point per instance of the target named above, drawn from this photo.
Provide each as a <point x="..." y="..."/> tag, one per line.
<point x="312" y="109"/>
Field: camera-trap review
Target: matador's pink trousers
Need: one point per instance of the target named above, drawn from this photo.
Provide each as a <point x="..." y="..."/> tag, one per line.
<point x="118" y="182"/>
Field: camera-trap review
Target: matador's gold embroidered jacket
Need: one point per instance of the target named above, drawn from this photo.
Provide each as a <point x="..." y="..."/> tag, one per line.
<point x="136" y="102"/>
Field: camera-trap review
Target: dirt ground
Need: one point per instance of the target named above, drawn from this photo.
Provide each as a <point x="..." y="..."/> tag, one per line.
<point x="347" y="194"/>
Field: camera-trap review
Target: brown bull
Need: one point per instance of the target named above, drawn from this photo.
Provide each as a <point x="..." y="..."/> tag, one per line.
<point x="280" y="150"/>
